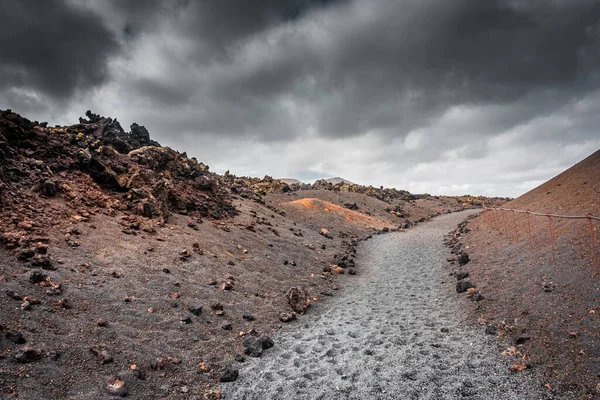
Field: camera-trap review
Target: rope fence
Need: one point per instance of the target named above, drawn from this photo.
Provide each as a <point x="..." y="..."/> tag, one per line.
<point x="501" y="222"/>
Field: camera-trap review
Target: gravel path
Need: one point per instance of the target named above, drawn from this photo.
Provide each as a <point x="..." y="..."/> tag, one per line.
<point x="394" y="333"/>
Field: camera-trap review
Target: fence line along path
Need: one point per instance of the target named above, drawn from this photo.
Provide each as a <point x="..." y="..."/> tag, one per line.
<point x="493" y="221"/>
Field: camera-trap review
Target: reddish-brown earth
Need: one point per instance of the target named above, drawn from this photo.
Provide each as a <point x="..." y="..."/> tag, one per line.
<point x="111" y="243"/>
<point x="554" y="307"/>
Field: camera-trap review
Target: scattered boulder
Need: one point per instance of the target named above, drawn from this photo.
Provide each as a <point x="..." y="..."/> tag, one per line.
<point x="298" y="299"/>
<point x="463" y="258"/>
<point x="287" y="317"/>
<point x="254" y="345"/>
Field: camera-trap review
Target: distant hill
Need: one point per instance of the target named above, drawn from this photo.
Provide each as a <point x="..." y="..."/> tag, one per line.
<point x="290" y="181"/>
<point x="335" y="180"/>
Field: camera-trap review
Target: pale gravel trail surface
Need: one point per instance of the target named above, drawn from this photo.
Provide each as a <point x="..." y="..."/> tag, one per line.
<point x="382" y="336"/>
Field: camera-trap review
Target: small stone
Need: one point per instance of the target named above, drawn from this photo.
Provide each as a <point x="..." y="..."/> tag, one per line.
<point x="229" y="375"/>
<point x="28" y="355"/>
<point x="477" y="297"/>
<point x="522" y="340"/>
<point x="15" y="337"/>
<point x="548" y="286"/>
<point x="185" y="318"/>
<point x="297" y="298"/>
<point x="25" y="254"/>
<point x="196" y="310"/>
<point x="65" y="303"/>
<point x="240" y="358"/>
<point x="573" y="334"/>
<point x="463" y="258"/>
<point x="519" y="365"/>
<point x="227" y="285"/>
<point x="14" y="295"/>
<point x="352" y="271"/>
<point x="287" y="317"/>
<point x="463" y="286"/>
<point x="248" y="317"/>
<point x="491" y="330"/>
<point x="166" y="270"/>
<point x="116" y="387"/>
<point x="102" y="322"/>
<point x="227" y="326"/>
<point x="37" y="277"/>
<point x="462" y="275"/>
<point x="203" y="368"/>
<point x="212" y="394"/>
<point x="254" y="346"/>
<point x="444" y="330"/>
<point x="104" y="357"/>
<point x="267" y="342"/>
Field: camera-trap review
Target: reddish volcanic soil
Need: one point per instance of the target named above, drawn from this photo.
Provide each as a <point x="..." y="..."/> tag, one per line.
<point x="549" y="310"/>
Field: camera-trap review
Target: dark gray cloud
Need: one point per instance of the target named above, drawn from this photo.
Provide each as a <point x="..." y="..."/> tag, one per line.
<point x="52" y="47"/>
<point x="404" y="89"/>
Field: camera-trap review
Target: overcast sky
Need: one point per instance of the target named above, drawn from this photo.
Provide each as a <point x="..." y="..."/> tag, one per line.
<point x="447" y="97"/>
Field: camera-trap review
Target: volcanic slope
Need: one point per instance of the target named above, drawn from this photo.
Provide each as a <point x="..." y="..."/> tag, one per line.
<point x="550" y="310"/>
<point x="130" y="265"/>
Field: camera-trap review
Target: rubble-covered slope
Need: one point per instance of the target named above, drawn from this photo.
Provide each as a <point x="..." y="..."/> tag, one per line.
<point x="130" y="265"/>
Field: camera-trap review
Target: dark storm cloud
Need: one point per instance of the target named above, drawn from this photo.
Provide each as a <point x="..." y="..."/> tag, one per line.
<point x="214" y="24"/>
<point x="51" y="47"/>
<point x="415" y="59"/>
<point x="391" y="66"/>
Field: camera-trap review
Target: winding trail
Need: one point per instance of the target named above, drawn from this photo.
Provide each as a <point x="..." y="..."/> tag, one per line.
<point x="394" y="333"/>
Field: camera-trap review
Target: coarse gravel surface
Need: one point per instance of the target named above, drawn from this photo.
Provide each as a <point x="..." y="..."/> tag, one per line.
<point x="395" y="332"/>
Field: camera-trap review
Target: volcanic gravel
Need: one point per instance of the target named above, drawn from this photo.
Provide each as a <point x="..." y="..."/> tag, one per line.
<point x="395" y="332"/>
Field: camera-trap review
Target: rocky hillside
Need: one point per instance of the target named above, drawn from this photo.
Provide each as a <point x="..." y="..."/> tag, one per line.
<point x="152" y="274"/>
